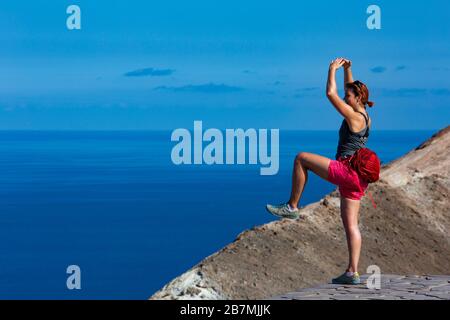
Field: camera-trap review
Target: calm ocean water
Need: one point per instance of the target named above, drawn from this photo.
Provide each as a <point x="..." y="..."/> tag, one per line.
<point x="114" y="204"/>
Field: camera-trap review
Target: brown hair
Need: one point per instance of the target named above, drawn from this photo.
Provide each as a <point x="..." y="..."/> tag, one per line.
<point x="360" y="89"/>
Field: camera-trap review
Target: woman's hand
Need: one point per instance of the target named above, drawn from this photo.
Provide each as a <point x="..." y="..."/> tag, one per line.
<point x="347" y="63"/>
<point x="348" y="77"/>
<point x="337" y="63"/>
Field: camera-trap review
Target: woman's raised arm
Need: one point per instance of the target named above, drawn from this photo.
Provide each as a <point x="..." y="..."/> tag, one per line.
<point x="331" y="82"/>
<point x="332" y="94"/>
<point x="348" y="77"/>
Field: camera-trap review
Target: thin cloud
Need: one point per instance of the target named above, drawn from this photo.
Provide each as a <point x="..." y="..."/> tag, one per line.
<point x="441" y="92"/>
<point x="378" y="69"/>
<point x="440" y="69"/>
<point x="308" y="91"/>
<point x="149" y="72"/>
<point x="414" y="92"/>
<point x="403" y="92"/>
<point x="202" y="88"/>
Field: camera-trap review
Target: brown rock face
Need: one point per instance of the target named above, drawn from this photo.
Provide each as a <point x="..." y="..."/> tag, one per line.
<point x="408" y="233"/>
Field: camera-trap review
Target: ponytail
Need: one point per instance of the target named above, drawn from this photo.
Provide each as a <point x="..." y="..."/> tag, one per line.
<point x="360" y="89"/>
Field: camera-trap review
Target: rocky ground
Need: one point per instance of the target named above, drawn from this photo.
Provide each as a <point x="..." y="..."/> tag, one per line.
<point x="407" y="233"/>
<point x="392" y="287"/>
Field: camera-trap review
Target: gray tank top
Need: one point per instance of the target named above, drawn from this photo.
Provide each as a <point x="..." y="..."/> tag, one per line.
<point x="350" y="141"/>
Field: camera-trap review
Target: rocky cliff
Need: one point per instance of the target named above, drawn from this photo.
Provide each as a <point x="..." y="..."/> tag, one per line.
<point x="407" y="233"/>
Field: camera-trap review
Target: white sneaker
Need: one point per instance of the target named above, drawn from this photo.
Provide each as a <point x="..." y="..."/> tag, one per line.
<point x="283" y="211"/>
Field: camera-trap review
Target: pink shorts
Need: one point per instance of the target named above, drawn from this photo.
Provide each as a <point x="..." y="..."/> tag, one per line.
<point x="351" y="186"/>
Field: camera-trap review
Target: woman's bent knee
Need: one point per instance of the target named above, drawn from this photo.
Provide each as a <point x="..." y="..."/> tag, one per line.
<point x="300" y="157"/>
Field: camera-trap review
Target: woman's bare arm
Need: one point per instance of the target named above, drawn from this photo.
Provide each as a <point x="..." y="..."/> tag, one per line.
<point x="348" y="77"/>
<point x="332" y="94"/>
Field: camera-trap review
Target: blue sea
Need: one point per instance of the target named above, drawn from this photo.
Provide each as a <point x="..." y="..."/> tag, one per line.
<point x="114" y="204"/>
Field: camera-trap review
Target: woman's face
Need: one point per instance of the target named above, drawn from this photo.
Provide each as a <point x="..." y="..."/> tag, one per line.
<point x="350" y="98"/>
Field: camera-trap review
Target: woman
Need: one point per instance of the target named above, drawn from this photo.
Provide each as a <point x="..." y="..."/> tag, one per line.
<point x="353" y="135"/>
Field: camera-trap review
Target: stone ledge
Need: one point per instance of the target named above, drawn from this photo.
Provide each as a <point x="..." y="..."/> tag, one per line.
<point x="393" y="287"/>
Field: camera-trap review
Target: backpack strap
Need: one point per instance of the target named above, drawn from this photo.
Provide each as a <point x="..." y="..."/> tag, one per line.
<point x="365" y="117"/>
<point x="367" y="123"/>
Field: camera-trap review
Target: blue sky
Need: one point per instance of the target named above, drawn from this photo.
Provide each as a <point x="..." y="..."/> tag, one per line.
<point x="163" y="64"/>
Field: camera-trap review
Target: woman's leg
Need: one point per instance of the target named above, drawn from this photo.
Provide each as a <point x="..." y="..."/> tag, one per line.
<point x="349" y="215"/>
<point x="305" y="161"/>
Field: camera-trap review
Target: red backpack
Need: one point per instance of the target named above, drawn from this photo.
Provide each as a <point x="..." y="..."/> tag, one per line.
<point x="367" y="164"/>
